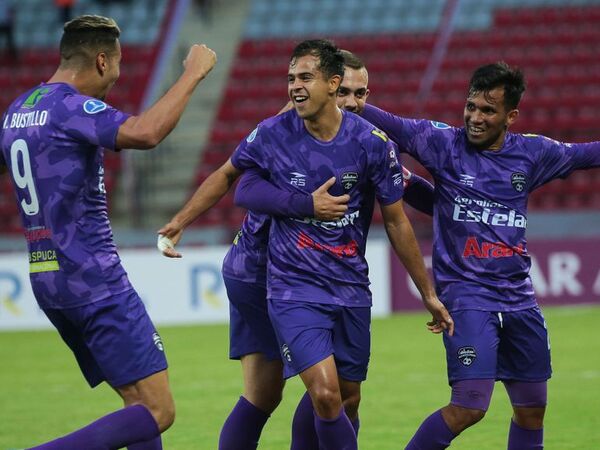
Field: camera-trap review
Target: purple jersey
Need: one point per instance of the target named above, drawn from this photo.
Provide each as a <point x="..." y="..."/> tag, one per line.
<point x="312" y="260"/>
<point x="480" y="258"/>
<point x="246" y="259"/>
<point x="52" y="142"/>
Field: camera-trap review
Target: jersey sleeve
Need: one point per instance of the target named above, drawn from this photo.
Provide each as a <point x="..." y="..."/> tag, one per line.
<point x="253" y="189"/>
<point x="558" y="159"/>
<point x="250" y="152"/>
<point x="91" y="121"/>
<point x="425" y="140"/>
<point x="385" y="170"/>
<point x="418" y="192"/>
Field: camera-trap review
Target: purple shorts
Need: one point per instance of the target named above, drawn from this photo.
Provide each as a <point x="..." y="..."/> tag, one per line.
<point x="113" y="340"/>
<point x="309" y="332"/>
<point x="250" y="329"/>
<point x="510" y="346"/>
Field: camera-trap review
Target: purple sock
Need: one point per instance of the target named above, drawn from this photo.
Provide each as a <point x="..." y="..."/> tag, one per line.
<point x="433" y="434"/>
<point x="336" y="434"/>
<point x="154" y="444"/>
<point x="116" y="430"/>
<point x="522" y="439"/>
<point x="242" y="428"/>
<point x="304" y="436"/>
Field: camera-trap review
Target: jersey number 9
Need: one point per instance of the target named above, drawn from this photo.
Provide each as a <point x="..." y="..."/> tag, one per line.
<point x="24" y="179"/>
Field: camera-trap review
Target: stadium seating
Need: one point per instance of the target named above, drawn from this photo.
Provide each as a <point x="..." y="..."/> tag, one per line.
<point x="38" y="58"/>
<point x="555" y="42"/>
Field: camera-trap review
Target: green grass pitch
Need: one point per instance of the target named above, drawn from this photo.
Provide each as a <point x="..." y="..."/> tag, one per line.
<point x="43" y="395"/>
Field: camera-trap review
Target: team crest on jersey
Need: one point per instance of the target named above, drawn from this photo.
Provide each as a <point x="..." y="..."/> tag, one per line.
<point x="440" y="125"/>
<point x="349" y="180"/>
<point x="518" y="181"/>
<point x="252" y="135"/>
<point x="467" y="355"/>
<point x="94" y="106"/>
<point x="158" y="341"/>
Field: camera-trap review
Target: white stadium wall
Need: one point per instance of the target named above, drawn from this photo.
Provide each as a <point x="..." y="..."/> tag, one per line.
<point x="175" y="291"/>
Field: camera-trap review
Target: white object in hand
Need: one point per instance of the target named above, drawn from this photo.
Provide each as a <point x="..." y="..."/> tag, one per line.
<point x="164" y="243"/>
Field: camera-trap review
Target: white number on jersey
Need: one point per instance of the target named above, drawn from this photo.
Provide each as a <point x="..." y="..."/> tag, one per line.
<point x="24" y="180"/>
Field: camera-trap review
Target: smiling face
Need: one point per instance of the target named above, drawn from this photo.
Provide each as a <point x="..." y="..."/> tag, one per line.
<point x="308" y="88"/>
<point x="487" y="119"/>
<point x="353" y="91"/>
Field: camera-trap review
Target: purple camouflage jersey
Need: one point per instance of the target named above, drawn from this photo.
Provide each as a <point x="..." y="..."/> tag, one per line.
<point x="246" y="259"/>
<point x="52" y="142"/>
<point x="312" y="260"/>
<point x="480" y="258"/>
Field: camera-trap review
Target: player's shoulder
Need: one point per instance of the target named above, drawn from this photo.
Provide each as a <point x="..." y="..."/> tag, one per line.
<point x="364" y="130"/>
<point x="535" y="142"/>
<point x="281" y="124"/>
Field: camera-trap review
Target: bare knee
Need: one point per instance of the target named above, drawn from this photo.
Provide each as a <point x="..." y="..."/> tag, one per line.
<point x="351" y="404"/>
<point x="529" y="418"/>
<point x="164" y="414"/>
<point x="156" y="397"/>
<point x="458" y="418"/>
<point x="263" y="382"/>
<point x="266" y="398"/>
<point x="326" y="401"/>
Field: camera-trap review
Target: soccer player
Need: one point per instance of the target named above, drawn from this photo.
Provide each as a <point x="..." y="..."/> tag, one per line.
<point x="483" y="176"/>
<point x="52" y="140"/>
<point x="319" y="301"/>
<point x="244" y="272"/>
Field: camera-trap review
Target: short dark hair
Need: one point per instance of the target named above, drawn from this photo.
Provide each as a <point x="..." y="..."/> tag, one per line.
<point x="86" y="36"/>
<point x="499" y="74"/>
<point x="331" y="61"/>
<point x="351" y="60"/>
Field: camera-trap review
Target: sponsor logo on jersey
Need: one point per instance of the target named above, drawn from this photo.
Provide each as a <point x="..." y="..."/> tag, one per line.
<point x="298" y="179"/>
<point x="158" y="341"/>
<point x="440" y="125"/>
<point x="37" y="234"/>
<point x="348" y="250"/>
<point x="94" y="106"/>
<point x="518" y="181"/>
<point x="487" y="212"/>
<point x="348" y="219"/>
<point x="43" y="261"/>
<point x="349" y="180"/>
<point x="466" y="355"/>
<point x="34" y="98"/>
<point x="252" y="135"/>
<point x="467" y="180"/>
<point x="484" y="250"/>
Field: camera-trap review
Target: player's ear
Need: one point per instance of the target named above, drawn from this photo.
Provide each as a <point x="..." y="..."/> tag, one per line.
<point x="334" y="83"/>
<point x="512" y="117"/>
<point x="101" y="63"/>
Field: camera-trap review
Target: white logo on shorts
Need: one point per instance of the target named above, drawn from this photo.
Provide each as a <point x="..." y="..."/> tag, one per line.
<point x="158" y="341"/>
<point x="467" y="355"/>
<point x="285" y="351"/>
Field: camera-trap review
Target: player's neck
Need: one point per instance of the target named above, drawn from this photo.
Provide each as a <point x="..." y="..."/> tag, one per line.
<point x="325" y="126"/>
<point x="81" y="81"/>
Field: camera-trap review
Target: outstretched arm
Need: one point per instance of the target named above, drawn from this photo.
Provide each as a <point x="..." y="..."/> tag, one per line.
<point x="152" y="126"/>
<point x="418" y="192"/>
<point x="402" y="238"/>
<point x="260" y="195"/>
<point x="206" y="196"/>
